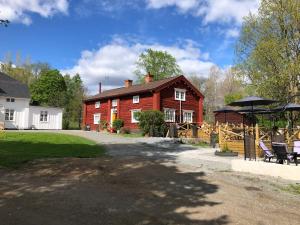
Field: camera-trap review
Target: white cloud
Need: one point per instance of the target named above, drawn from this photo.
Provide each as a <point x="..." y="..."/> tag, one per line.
<point x="182" y="5"/>
<point x="18" y="10"/>
<point x="227" y="11"/>
<point x="232" y="33"/>
<point x="113" y="63"/>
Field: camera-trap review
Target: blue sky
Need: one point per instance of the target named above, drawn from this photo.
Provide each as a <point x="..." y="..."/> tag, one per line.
<point x="101" y="39"/>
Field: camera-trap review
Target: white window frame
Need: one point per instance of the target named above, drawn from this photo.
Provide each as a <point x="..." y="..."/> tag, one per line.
<point x="44" y="116"/>
<point x="96" y="120"/>
<point x="97" y="104"/>
<point x="185" y="118"/>
<point x="11" y="115"/>
<point x="136" y="99"/>
<point x="10" y="99"/>
<point x="133" y="120"/>
<point x="114" y="102"/>
<point x="180" y="92"/>
<point x="173" y="111"/>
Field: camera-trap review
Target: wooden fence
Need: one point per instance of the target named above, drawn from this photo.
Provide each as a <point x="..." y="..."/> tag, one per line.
<point x="231" y="136"/>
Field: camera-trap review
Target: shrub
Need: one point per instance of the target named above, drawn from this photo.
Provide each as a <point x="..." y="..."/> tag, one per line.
<point x="152" y="123"/>
<point x="103" y="124"/>
<point x="118" y="124"/>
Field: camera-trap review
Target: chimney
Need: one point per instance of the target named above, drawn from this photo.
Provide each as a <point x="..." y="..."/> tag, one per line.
<point x="99" y="87"/>
<point x="128" y="83"/>
<point x="148" y="78"/>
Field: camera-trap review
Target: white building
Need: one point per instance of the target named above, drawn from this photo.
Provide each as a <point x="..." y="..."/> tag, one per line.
<point x="16" y="112"/>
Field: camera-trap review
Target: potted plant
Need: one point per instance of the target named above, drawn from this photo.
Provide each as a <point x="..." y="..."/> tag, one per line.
<point x="117" y="125"/>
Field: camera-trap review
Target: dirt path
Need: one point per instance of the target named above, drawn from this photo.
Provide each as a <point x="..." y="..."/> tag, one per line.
<point x="142" y="183"/>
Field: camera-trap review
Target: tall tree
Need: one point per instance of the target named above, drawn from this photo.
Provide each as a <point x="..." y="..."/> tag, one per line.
<point x="159" y="63"/>
<point x="268" y="50"/>
<point x="198" y="82"/>
<point x="73" y="101"/>
<point x="212" y="99"/>
<point x="49" y="89"/>
<point x="231" y="87"/>
<point x="22" y="69"/>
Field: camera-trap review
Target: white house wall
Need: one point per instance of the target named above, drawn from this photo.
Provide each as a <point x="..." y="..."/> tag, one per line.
<point x="54" y="118"/>
<point x="21" y="107"/>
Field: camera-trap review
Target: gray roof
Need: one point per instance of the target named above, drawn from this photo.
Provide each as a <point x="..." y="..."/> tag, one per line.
<point x="10" y="87"/>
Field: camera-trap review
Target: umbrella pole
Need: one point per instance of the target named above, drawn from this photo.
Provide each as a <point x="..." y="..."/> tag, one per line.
<point x="253" y="122"/>
<point x="244" y="138"/>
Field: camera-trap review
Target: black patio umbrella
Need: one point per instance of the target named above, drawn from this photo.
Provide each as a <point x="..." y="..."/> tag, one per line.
<point x="225" y="110"/>
<point x="289" y="107"/>
<point x="252" y="101"/>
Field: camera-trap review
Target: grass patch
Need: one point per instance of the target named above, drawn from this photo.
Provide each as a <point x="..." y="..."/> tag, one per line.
<point x="293" y="188"/>
<point x="202" y="144"/>
<point x="17" y="148"/>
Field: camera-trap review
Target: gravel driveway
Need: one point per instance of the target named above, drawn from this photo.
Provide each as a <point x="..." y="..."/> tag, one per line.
<point x="142" y="181"/>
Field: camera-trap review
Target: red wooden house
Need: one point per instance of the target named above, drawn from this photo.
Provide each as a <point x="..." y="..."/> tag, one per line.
<point x="176" y="97"/>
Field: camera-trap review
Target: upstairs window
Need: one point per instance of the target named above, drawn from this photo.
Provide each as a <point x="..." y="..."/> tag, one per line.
<point x="97" y="105"/>
<point x="136" y="99"/>
<point x="10" y="100"/>
<point x="114" y="103"/>
<point x="180" y="94"/>
<point x="169" y="115"/>
<point x="43" y="116"/>
<point x="9" y="114"/>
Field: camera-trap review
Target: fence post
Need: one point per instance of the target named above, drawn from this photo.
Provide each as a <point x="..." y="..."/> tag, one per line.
<point x="288" y="136"/>
<point x="220" y="137"/>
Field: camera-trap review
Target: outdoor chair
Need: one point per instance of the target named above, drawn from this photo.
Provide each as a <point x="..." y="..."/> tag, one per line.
<point x="267" y="153"/>
<point x="296" y="151"/>
<point x="280" y="150"/>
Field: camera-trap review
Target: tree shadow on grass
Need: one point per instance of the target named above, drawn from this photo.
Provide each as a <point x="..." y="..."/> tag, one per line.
<point x="14" y="154"/>
<point x="106" y="191"/>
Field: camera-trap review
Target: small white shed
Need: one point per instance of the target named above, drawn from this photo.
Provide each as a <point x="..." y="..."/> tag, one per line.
<point x="45" y="118"/>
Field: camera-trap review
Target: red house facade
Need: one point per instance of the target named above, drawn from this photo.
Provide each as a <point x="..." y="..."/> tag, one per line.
<point x="176" y="97"/>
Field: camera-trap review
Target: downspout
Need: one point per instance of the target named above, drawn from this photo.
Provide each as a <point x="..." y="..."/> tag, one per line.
<point x="180" y="114"/>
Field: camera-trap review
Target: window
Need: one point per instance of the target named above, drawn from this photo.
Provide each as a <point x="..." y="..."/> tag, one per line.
<point x="187" y="116"/>
<point x="114" y="103"/>
<point x="169" y="115"/>
<point x="97" y="105"/>
<point x="97" y="118"/>
<point x="44" y="116"/>
<point x="134" y="118"/>
<point x="9" y="114"/>
<point x="180" y="94"/>
<point x="136" y="99"/>
<point x="10" y="100"/>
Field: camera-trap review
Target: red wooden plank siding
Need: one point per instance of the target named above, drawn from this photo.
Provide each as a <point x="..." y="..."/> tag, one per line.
<point x="231" y="117"/>
<point x="168" y="100"/>
<point x="91" y="110"/>
<point x="126" y="105"/>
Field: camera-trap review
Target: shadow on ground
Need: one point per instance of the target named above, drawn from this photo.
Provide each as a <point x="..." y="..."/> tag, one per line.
<point x="122" y="190"/>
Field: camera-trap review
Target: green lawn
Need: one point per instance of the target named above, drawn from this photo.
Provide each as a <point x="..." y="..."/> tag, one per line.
<point x="17" y="148"/>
